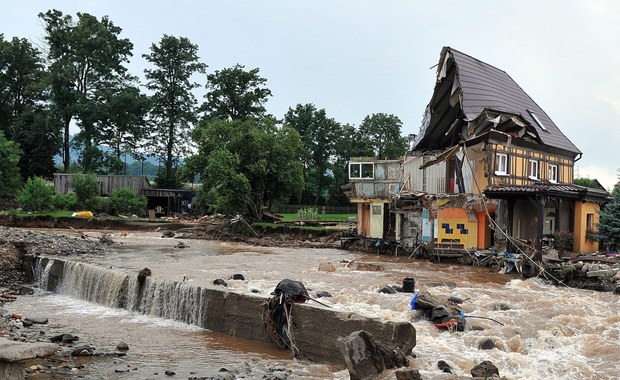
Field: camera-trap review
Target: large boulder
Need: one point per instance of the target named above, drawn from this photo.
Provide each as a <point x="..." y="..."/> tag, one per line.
<point x="365" y="358"/>
<point x="485" y="370"/>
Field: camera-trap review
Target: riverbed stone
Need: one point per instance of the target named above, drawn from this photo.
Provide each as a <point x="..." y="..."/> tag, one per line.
<point x="220" y="281"/>
<point x="122" y="346"/>
<point x="366" y="358"/>
<point x="387" y="290"/>
<point x="444" y="367"/>
<point x="13" y="351"/>
<point x="327" y="267"/>
<point x="486" y="344"/>
<point x="408" y="374"/>
<point x="484" y="370"/>
<point x="323" y="294"/>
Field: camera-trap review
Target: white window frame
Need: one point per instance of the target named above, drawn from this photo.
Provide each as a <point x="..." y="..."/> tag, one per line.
<point x="501" y="162"/>
<point x="533" y="169"/>
<point x="553" y="173"/>
<point x="361" y="171"/>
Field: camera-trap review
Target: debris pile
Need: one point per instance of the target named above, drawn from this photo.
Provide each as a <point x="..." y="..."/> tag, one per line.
<point x="278" y="312"/>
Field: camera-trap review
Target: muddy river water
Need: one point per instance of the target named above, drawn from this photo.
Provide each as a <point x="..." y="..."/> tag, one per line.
<point x="549" y="332"/>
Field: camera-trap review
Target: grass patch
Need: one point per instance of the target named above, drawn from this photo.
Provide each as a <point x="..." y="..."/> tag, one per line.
<point x="273" y="226"/>
<point x="48" y="213"/>
<point x="320" y="217"/>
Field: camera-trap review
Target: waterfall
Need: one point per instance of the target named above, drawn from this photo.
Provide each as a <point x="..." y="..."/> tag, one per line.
<point x="119" y="288"/>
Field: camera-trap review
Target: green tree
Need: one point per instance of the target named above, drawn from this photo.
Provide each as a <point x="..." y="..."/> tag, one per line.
<point x="587" y="182"/>
<point x="247" y="165"/>
<point x="24" y="114"/>
<point x="123" y="123"/>
<point x="36" y="195"/>
<point x="236" y="94"/>
<point x="609" y="221"/>
<point x="382" y="134"/>
<point x="127" y="201"/>
<point x="173" y="102"/>
<point x="86" y="190"/>
<point x="86" y="58"/>
<point x="9" y="169"/>
<point x="319" y="135"/>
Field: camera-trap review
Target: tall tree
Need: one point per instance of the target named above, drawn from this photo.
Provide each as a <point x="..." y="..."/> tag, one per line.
<point x="609" y="222"/>
<point x="87" y="58"/>
<point x="247" y="165"/>
<point x="24" y="114"/>
<point x="382" y="133"/>
<point x="236" y="94"/>
<point x="124" y="120"/>
<point x="173" y="103"/>
<point x="9" y="169"/>
<point x="319" y="135"/>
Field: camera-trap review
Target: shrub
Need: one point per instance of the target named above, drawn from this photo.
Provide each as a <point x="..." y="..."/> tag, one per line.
<point x="127" y="201"/>
<point x="86" y="190"/>
<point x="307" y="214"/>
<point x="36" y="195"/>
<point x="67" y="201"/>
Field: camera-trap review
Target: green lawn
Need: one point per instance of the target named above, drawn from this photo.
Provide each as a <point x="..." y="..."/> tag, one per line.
<point x="319" y="217"/>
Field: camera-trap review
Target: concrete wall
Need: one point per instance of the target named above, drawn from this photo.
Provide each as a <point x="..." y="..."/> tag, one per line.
<point x="316" y="329"/>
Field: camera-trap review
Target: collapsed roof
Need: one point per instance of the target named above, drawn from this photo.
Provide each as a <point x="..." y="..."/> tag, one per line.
<point x="472" y="97"/>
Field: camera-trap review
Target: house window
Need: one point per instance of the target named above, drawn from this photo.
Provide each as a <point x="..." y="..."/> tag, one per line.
<point x="361" y="170"/>
<point x="501" y="163"/>
<point x="532" y="171"/>
<point x="589" y="222"/>
<point x="553" y="173"/>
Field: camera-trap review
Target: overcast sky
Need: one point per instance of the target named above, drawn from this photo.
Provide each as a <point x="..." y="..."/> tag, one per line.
<point x="355" y="58"/>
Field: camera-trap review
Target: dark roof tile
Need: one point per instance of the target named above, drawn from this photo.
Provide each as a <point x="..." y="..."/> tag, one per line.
<point x="487" y="87"/>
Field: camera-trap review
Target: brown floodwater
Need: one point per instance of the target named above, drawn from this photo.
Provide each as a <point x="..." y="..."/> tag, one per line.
<point x="549" y="332"/>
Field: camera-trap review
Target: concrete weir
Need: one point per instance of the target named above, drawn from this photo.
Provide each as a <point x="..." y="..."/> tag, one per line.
<point x="315" y="329"/>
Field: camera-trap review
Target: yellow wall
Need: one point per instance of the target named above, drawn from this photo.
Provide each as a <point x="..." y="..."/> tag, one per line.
<point x="582" y="209"/>
<point x="454" y="223"/>
<point x="518" y="165"/>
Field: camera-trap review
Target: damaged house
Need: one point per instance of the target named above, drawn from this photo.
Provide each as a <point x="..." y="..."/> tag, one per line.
<point x="489" y="162"/>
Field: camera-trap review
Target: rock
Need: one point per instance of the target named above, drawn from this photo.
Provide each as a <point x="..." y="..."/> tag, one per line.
<point x="366" y="358"/>
<point x="455" y="300"/>
<point x="83" y="350"/>
<point x="237" y="276"/>
<point x="445" y="367"/>
<point x="122" y="346"/>
<point x="408" y="374"/>
<point x="486" y="344"/>
<point x="387" y="290"/>
<point x="484" y="370"/>
<point x="170" y="372"/>
<point x="219" y="281"/>
<point x="16" y="316"/>
<point x="439" y="313"/>
<point x="397" y="288"/>
<point x="26" y="290"/>
<point x="168" y="234"/>
<point x="370" y="267"/>
<point x="323" y="294"/>
<point x="502" y="307"/>
<point x="40" y="321"/>
<point x="143" y="274"/>
<point x="11" y="351"/>
<point x="26" y="323"/>
<point x="327" y="267"/>
<point x="64" y="338"/>
<point x="181" y="245"/>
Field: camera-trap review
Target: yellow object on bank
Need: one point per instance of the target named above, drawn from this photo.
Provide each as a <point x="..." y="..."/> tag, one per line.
<point x="84" y="214"/>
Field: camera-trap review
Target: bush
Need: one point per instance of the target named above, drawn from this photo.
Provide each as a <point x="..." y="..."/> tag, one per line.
<point x="86" y="191"/>
<point x="66" y="201"/>
<point x="36" y="195"/>
<point x="127" y="201"/>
